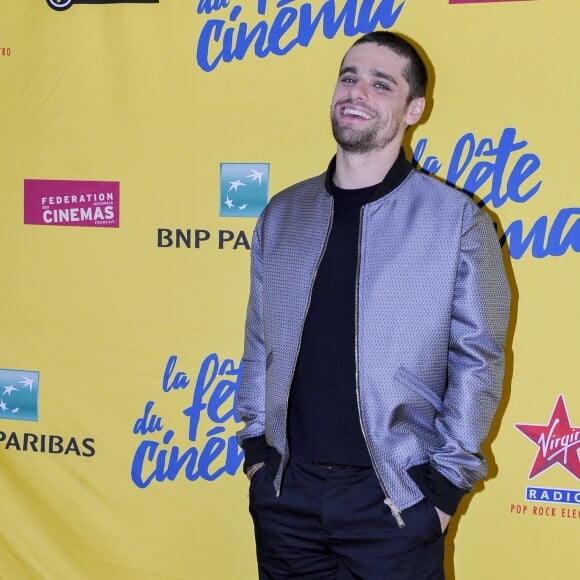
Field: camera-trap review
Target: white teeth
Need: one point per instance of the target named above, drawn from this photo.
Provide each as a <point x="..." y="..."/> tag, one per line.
<point x="356" y="112"/>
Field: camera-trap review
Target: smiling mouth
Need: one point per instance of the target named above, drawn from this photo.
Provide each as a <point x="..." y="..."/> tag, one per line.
<point x="353" y="113"/>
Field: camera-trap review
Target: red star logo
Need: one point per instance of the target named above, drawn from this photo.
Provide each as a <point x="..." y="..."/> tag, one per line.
<point x="558" y="442"/>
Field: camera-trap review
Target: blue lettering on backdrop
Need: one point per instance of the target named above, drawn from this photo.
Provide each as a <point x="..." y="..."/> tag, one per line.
<point x="479" y="167"/>
<point x="231" y="38"/>
<point x="212" y="400"/>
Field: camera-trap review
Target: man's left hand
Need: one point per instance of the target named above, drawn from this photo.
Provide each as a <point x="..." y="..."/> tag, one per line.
<point x="443" y="519"/>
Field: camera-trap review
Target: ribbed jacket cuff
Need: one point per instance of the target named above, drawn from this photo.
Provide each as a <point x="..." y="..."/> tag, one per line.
<point x="255" y="451"/>
<point x="436" y="488"/>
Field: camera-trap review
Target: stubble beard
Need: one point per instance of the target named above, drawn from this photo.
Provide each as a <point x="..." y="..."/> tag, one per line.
<point x="362" y="141"/>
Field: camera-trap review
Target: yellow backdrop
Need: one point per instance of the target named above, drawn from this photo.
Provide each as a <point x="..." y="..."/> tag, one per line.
<point x="138" y="141"/>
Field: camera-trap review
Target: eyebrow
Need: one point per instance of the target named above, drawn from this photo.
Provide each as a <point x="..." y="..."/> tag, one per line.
<point x="374" y="72"/>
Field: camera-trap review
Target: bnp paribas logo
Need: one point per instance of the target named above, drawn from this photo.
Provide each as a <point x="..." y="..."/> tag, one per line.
<point x="19" y="395"/>
<point x="243" y="189"/>
<point x="66" y="4"/>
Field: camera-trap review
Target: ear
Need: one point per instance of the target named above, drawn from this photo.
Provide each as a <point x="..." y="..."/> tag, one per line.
<point x="415" y="111"/>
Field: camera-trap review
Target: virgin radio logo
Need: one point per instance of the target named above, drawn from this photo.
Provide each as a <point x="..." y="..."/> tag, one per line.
<point x="558" y="442"/>
<point x="65" y="4"/>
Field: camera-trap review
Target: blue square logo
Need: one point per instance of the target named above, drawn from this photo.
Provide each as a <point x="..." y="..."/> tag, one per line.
<point x="19" y="395"/>
<point x="243" y="189"/>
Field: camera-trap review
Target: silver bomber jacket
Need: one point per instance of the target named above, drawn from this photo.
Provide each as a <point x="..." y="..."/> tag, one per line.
<point x="432" y="314"/>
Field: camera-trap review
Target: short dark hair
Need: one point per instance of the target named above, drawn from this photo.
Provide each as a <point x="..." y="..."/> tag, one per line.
<point x="415" y="73"/>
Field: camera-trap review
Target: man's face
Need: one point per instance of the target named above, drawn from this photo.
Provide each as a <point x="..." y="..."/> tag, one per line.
<point x="369" y="106"/>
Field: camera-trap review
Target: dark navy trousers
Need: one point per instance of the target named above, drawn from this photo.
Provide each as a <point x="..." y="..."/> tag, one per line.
<point x="332" y="523"/>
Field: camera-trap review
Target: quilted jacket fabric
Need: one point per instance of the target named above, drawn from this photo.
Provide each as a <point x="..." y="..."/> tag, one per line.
<point x="431" y="316"/>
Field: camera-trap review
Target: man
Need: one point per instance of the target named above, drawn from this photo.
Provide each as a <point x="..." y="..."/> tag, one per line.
<point x="373" y="357"/>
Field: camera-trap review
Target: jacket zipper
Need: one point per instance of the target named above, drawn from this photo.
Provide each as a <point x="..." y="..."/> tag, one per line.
<point x="284" y="460"/>
<point x="388" y="501"/>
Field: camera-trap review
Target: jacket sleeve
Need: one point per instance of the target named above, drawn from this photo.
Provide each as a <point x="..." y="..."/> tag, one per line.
<point x="479" y="320"/>
<point x="250" y="404"/>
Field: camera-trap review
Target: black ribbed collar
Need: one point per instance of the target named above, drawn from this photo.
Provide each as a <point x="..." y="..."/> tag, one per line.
<point x="395" y="176"/>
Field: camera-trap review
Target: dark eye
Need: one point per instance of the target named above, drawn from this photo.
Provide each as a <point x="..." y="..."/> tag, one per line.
<point x="382" y="87"/>
<point x="348" y="80"/>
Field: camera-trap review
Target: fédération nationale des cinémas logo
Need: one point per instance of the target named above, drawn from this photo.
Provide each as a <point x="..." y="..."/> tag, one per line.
<point x="55" y="202"/>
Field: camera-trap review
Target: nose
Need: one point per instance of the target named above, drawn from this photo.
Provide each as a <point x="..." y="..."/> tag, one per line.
<point x="359" y="91"/>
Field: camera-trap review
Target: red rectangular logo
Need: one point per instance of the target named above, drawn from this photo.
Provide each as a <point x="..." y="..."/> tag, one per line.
<point x="53" y="202"/>
<point x="483" y="1"/>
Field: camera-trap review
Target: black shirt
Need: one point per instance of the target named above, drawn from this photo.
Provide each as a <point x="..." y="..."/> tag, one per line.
<point x="323" y="419"/>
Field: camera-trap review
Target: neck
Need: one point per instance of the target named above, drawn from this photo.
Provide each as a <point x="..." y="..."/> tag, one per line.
<point x="354" y="171"/>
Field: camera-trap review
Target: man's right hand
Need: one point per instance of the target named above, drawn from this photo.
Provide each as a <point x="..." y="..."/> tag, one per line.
<point x="253" y="469"/>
